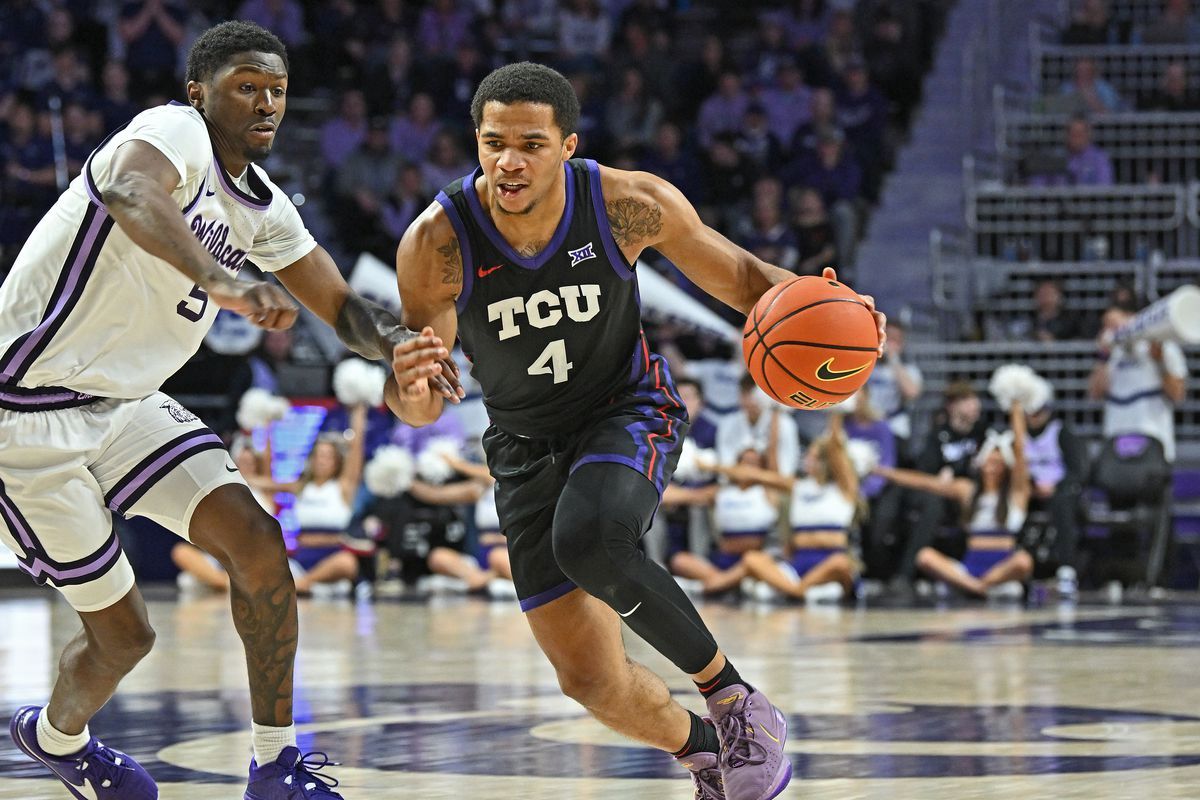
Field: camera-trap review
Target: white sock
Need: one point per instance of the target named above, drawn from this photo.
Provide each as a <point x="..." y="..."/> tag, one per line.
<point x="269" y="742"/>
<point x="57" y="743"/>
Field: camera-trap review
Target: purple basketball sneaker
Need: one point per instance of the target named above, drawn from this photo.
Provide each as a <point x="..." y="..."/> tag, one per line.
<point x="292" y="777"/>
<point x="753" y="732"/>
<point x="706" y="776"/>
<point x="96" y="772"/>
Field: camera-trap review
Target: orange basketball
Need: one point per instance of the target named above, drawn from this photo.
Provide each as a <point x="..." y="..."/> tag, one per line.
<point x="810" y="342"/>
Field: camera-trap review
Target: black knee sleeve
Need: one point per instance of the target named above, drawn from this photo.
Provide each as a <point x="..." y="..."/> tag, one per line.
<point x="602" y="513"/>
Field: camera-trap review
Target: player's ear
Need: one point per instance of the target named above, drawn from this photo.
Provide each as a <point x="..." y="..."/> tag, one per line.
<point x="569" y="145"/>
<point x="195" y="95"/>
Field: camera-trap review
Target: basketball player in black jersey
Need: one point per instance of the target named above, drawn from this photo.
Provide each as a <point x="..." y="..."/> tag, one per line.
<point x="529" y="261"/>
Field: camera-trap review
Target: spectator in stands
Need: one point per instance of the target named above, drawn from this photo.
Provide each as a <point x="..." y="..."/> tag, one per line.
<point x="806" y="22"/>
<point x="834" y="173"/>
<point x="992" y="509"/>
<point x="703" y="430"/>
<point x="788" y="101"/>
<point x="443" y="26"/>
<point x="412" y="134"/>
<point x="408" y="198"/>
<point x="341" y="47"/>
<point x="70" y="80"/>
<point x="152" y="31"/>
<point x="724" y="110"/>
<point x="1176" y="25"/>
<point x="28" y="159"/>
<point x="1088" y="92"/>
<point x="893" y="60"/>
<point x="362" y="183"/>
<point x="284" y="18"/>
<point x="726" y="181"/>
<point x="841" y="45"/>
<point x="769" y="52"/>
<point x="767" y="235"/>
<point x="633" y="114"/>
<point x="81" y="134"/>
<point x="456" y="85"/>
<point x="491" y="546"/>
<point x="697" y="79"/>
<point x="446" y="162"/>
<point x="1140" y="382"/>
<point x="390" y="85"/>
<point x="687" y="499"/>
<point x="530" y="24"/>
<point x="756" y="142"/>
<point x="1086" y="164"/>
<point x="894" y="385"/>
<point x="751" y="427"/>
<point x="862" y="113"/>
<point x="584" y="33"/>
<point x="343" y="134"/>
<point x="1093" y="24"/>
<point x="816" y="244"/>
<point x="864" y="422"/>
<point x="822" y="115"/>
<point x="668" y="159"/>
<point x="650" y="53"/>
<point x="653" y="15"/>
<point x="1173" y="92"/>
<point x="115" y="105"/>
<point x="1051" y="321"/>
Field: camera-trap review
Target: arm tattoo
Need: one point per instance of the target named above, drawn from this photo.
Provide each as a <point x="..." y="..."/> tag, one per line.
<point x="452" y="271"/>
<point x="368" y="329"/>
<point x="633" y="221"/>
<point x="266" y="621"/>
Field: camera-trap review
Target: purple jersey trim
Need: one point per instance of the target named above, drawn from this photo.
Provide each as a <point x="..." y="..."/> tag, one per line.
<point x="157" y="465"/>
<point x="548" y="596"/>
<point x="231" y="188"/>
<point x="464" y="246"/>
<point x="493" y="234"/>
<point x="41" y="566"/>
<point x="615" y="257"/>
<point x="81" y="260"/>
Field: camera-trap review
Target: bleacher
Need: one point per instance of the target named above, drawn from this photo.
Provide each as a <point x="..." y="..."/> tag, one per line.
<point x="1132" y="71"/>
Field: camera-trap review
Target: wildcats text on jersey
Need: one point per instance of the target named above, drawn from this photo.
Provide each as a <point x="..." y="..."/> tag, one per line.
<point x="214" y="235"/>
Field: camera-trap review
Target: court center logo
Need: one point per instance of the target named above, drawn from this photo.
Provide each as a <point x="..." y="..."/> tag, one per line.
<point x="523" y="731"/>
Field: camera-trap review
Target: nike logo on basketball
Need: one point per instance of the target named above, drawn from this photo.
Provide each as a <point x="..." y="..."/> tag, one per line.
<point x="825" y="372"/>
<point x="630" y="611"/>
<point x="483" y="273"/>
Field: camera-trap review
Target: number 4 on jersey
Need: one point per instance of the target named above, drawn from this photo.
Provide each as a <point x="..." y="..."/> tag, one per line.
<point x="552" y="361"/>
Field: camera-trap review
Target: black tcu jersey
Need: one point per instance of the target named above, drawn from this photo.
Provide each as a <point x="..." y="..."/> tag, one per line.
<point x="552" y="337"/>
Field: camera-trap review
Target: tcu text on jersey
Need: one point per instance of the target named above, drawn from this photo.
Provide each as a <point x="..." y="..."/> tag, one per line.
<point x="544" y="310"/>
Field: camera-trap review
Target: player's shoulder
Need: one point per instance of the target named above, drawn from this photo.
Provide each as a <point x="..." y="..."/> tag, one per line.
<point x="622" y="183"/>
<point x="179" y="118"/>
<point x="431" y="225"/>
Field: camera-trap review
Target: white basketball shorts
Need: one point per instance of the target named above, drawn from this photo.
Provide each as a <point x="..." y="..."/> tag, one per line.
<point x="68" y="461"/>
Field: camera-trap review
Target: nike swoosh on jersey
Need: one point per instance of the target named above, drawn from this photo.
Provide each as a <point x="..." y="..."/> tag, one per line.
<point x="231" y="469"/>
<point x="630" y="611"/>
<point x="483" y="273"/>
<point x="825" y="372"/>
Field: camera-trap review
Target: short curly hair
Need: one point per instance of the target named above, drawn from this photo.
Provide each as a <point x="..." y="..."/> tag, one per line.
<point x="220" y="42"/>
<point x="527" y="82"/>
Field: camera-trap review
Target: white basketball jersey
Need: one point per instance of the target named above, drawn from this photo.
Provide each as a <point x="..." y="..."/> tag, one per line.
<point x="738" y="511"/>
<point x="86" y="309"/>
<point x="820" y="507"/>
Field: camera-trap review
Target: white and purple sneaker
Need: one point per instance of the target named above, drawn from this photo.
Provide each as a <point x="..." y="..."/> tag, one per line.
<point x="292" y="777"/>
<point x="97" y="772"/>
<point x="753" y="733"/>
<point x="706" y="776"/>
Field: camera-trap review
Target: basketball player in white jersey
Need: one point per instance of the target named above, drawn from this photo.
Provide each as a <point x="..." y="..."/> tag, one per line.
<point x="112" y="293"/>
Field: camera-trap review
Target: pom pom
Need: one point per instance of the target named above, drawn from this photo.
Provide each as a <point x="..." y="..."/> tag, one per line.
<point x="1041" y="395"/>
<point x="432" y="466"/>
<point x="863" y="455"/>
<point x="691" y="461"/>
<point x="1014" y="382"/>
<point x="259" y="408"/>
<point x="358" y="382"/>
<point x="390" y="471"/>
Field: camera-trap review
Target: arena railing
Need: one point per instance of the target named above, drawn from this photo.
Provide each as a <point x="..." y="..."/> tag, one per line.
<point x="1138" y="12"/>
<point x="1141" y="145"/>
<point x="1076" y="223"/>
<point x="1131" y="70"/>
<point x="1085" y="285"/>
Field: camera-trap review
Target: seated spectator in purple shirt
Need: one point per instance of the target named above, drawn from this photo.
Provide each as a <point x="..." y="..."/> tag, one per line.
<point x="408" y="199"/>
<point x="757" y="143"/>
<point x="444" y="25"/>
<point x="668" y="159"/>
<point x="342" y="135"/>
<point x="815" y="241"/>
<point x="446" y="161"/>
<point x="284" y="18"/>
<point x="723" y="111"/>
<point x="632" y="115"/>
<point x="788" y="101"/>
<point x="766" y="233"/>
<point x="1093" y="24"/>
<point x="1086" y="164"/>
<point x="822" y="114"/>
<point x="769" y="52"/>
<point x="584" y="33"/>
<point x="862" y="111"/>
<point x="1173" y="93"/>
<point x="413" y="133"/>
<point x="831" y="170"/>
<point x="1088" y="92"/>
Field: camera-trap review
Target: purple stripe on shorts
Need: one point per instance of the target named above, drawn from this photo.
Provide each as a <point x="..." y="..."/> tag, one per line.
<point x="94" y="229"/>
<point x="615" y="256"/>
<point x="146" y="475"/>
<point x="548" y="596"/>
<point x="39" y="564"/>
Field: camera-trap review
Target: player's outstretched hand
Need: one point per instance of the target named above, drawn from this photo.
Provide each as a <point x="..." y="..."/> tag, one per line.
<point x="829" y="273"/>
<point x="264" y="304"/>
<point x="421" y="364"/>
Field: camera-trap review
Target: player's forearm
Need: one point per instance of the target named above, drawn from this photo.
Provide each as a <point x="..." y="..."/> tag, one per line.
<point x="150" y="218"/>
<point x="755" y="277"/>
<point x="368" y="329"/>
<point x="419" y="413"/>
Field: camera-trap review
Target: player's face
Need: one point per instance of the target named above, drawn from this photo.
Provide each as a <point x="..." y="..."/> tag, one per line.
<point x="522" y="152"/>
<point x="245" y="101"/>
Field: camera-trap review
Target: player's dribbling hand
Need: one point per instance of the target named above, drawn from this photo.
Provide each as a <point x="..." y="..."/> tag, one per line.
<point x="421" y="364"/>
<point x="263" y="304"/>
<point x="829" y="273"/>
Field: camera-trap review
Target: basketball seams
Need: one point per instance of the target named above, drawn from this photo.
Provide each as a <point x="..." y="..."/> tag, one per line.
<point x="797" y="378"/>
<point x="796" y="311"/>
<point x="823" y="345"/>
